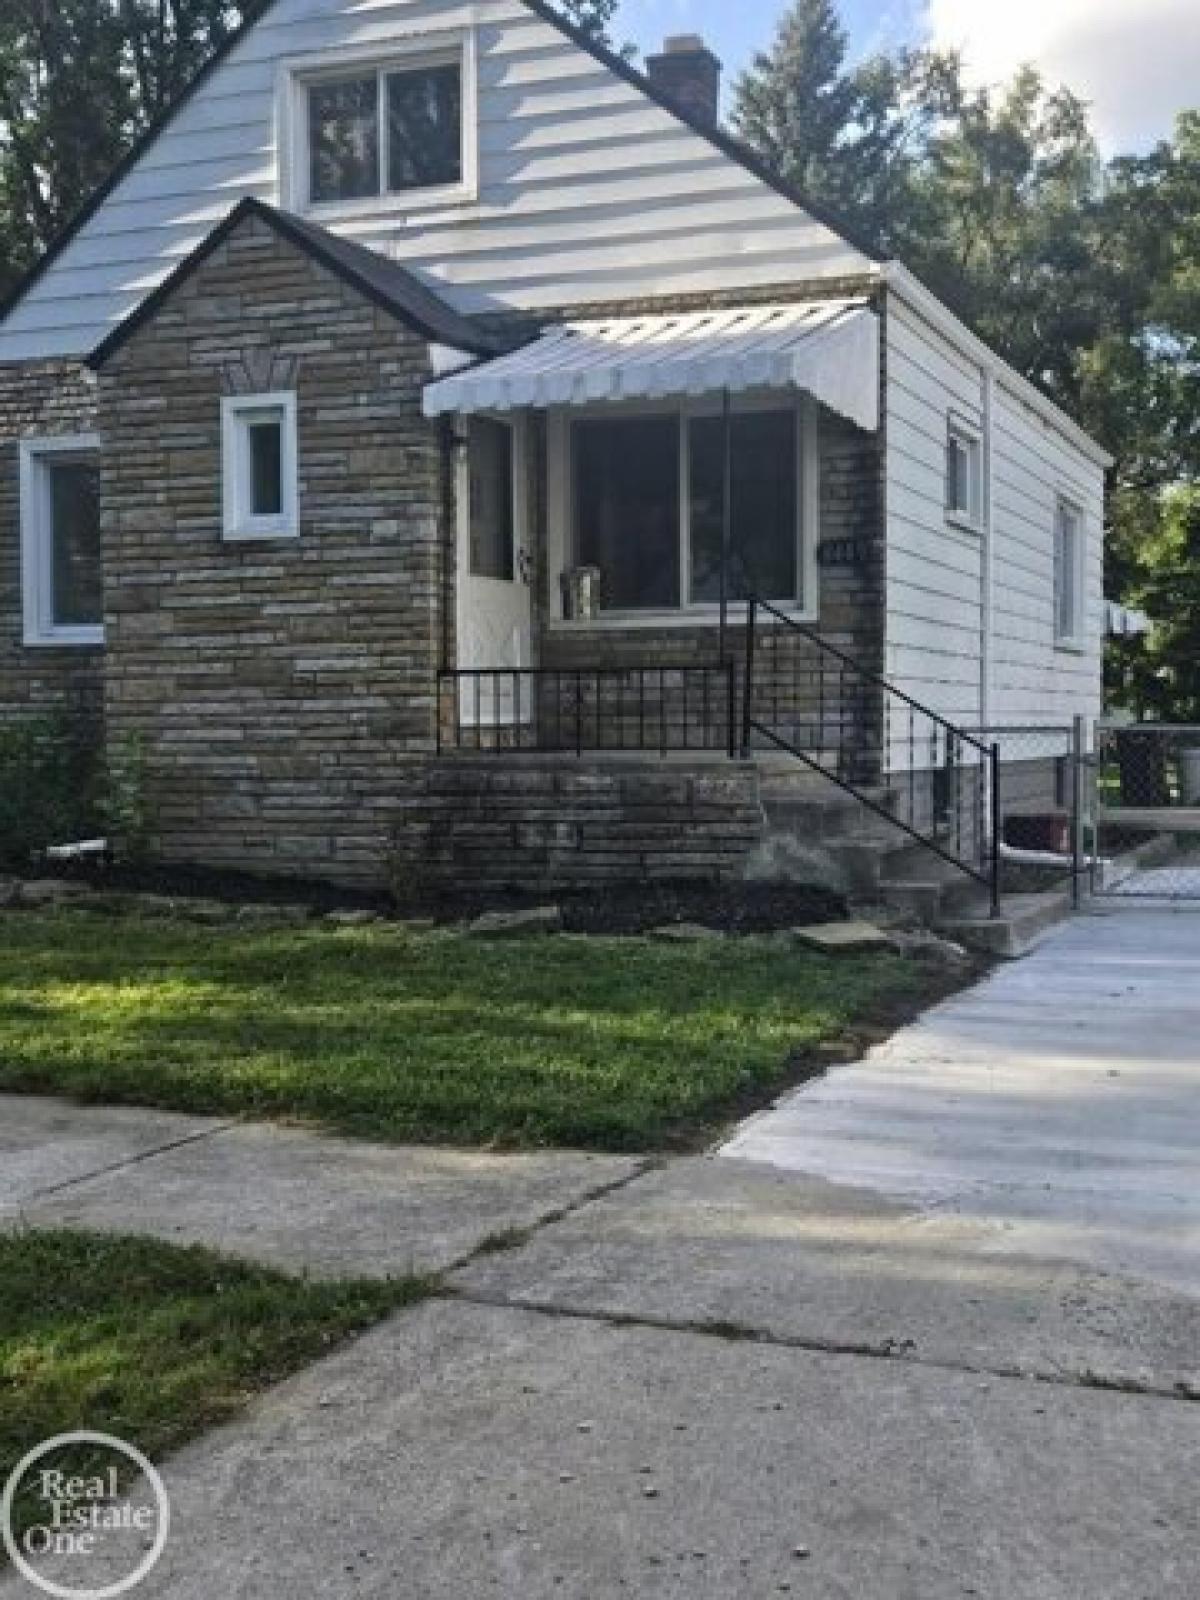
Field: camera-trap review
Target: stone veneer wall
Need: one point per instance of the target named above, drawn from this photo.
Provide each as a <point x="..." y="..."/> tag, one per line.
<point x="281" y="687"/>
<point x="38" y="397"/>
<point x="553" y="822"/>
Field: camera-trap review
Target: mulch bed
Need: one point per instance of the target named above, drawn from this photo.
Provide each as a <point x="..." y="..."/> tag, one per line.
<point x="616" y="910"/>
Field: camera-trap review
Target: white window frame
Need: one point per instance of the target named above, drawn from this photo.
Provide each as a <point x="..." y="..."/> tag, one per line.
<point x="37" y="551"/>
<point x="238" y="520"/>
<point x="429" y="49"/>
<point x="563" y="538"/>
<point x="961" y="432"/>
<point x="1074" y="640"/>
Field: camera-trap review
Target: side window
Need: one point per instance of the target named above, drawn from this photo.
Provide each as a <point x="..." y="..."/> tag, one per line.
<point x="259" y="467"/>
<point x="61" y="577"/>
<point x="493" y="552"/>
<point x="1068" y="574"/>
<point x="964" y="474"/>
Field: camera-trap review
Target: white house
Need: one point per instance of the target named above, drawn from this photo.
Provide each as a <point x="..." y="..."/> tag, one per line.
<point x="430" y="396"/>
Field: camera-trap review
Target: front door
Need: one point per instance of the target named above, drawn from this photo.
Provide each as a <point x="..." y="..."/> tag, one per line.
<point x="495" y="603"/>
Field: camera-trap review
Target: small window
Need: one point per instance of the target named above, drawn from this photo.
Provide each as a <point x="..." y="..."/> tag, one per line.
<point x="964" y="475"/>
<point x="1068" y="574"/>
<point x="386" y="130"/>
<point x="492" y="503"/>
<point x="62" y="582"/>
<point x="258" y="467"/>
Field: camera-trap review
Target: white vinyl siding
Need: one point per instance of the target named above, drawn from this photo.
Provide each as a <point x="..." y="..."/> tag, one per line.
<point x="587" y="190"/>
<point x="936" y="570"/>
<point x="934" y="567"/>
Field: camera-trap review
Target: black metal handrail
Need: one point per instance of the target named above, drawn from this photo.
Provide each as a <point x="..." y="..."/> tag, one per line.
<point x="651" y="708"/>
<point x="902" y="760"/>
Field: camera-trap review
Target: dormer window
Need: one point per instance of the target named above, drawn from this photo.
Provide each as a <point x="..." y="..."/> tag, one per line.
<point x="370" y="131"/>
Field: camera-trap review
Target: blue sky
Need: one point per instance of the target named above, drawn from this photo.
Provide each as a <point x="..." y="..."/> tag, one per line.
<point x="1136" y="61"/>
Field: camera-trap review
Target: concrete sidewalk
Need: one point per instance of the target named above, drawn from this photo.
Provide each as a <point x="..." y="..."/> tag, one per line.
<point x="304" y="1202"/>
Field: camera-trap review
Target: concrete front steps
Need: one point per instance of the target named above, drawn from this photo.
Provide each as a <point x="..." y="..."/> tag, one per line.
<point x="814" y="826"/>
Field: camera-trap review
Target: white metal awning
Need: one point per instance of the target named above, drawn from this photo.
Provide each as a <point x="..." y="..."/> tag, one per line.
<point x="828" y="348"/>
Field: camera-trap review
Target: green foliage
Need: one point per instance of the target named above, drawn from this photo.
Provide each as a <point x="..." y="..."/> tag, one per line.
<point x="1159" y="676"/>
<point x="595" y="17"/>
<point x="620" y="1044"/>
<point x="123" y="804"/>
<point x="79" y="80"/>
<point x="48" y="785"/>
<point x="151" y="1342"/>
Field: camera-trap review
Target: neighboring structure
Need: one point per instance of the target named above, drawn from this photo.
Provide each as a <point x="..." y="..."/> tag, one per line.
<point x="430" y="385"/>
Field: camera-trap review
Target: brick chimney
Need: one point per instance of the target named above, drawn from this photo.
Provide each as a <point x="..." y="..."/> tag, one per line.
<point x="688" y="74"/>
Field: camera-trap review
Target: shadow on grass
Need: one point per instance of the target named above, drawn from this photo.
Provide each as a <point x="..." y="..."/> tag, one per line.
<point x="617" y="1044"/>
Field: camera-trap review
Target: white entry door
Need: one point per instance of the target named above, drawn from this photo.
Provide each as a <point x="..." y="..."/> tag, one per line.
<point x="495" y="600"/>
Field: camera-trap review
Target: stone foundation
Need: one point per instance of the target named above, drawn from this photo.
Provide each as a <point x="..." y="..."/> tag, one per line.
<point x="553" y="822"/>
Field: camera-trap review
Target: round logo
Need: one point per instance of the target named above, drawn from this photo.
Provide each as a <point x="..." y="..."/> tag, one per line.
<point x="84" y="1533"/>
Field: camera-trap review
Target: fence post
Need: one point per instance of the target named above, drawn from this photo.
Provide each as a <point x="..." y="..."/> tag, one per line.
<point x="997" y="829"/>
<point x="748" y="686"/>
<point x="1078" y="821"/>
<point x="731" y="681"/>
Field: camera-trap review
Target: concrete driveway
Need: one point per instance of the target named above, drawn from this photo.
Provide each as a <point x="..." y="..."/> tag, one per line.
<point x="1058" y="1103"/>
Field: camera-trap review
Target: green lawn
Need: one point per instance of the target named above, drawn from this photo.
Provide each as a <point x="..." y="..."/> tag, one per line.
<point x="613" y="1044"/>
<point x="151" y="1342"/>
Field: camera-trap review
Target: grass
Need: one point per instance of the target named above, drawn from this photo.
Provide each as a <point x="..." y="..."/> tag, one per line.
<point x="152" y="1342"/>
<point x="621" y="1044"/>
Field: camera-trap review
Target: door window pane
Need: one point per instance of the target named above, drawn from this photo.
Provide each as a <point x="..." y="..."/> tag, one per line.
<point x="343" y="139"/>
<point x="491" y="458"/>
<point x="75" y="531"/>
<point x="266" y="468"/>
<point x="627" y="494"/>
<point x="765" y="507"/>
<point x="424" y="127"/>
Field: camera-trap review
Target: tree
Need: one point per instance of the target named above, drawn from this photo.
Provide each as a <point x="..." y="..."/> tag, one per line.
<point x="1001" y="211"/>
<point x="846" y="138"/>
<point x="79" y="80"/>
<point x="595" y="17"/>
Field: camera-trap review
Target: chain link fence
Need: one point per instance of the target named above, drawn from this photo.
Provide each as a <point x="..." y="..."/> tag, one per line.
<point x="1039" y="793"/>
<point x="1144" y="812"/>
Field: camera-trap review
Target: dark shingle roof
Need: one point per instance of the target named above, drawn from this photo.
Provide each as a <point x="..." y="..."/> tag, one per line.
<point x="378" y="278"/>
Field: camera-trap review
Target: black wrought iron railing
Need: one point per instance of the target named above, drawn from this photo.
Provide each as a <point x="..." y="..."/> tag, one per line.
<point x="903" y="761"/>
<point x="654" y="709"/>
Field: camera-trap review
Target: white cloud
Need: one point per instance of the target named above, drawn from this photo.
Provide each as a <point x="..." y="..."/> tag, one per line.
<point x="1137" y="61"/>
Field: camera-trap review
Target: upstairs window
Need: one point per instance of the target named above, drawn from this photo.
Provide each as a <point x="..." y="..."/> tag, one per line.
<point x="1068" y="574"/>
<point x="259" y="467"/>
<point x="61" y="579"/>
<point x="964" y="474"/>
<point x="390" y="130"/>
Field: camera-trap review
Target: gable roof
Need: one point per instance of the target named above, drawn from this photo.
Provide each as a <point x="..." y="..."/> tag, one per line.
<point x="385" y="282"/>
<point x="725" y="142"/>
